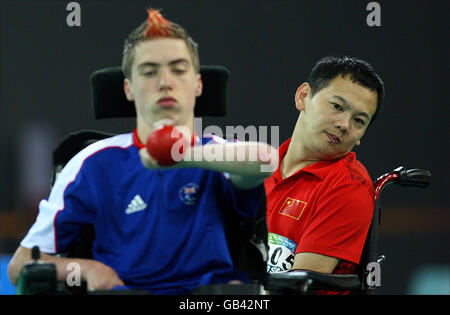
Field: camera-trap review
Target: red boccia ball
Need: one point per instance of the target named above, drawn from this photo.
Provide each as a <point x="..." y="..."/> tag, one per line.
<point x="160" y="142"/>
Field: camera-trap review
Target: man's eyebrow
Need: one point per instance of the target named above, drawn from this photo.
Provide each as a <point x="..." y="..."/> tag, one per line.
<point x="343" y="100"/>
<point x="155" y="64"/>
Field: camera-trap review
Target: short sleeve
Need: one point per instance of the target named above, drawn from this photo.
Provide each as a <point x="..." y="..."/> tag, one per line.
<point x="339" y="224"/>
<point x="65" y="212"/>
<point x="245" y="202"/>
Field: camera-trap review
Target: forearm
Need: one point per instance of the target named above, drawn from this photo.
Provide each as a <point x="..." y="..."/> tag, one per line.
<point x="253" y="159"/>
<point x="23" y="255"/>
<point x="248" y="163"/>
<point x="315" y="262"/>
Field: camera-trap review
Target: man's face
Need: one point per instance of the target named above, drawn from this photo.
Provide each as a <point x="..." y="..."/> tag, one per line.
<point x="163" y="84"/>
<point x="333" y="121"/>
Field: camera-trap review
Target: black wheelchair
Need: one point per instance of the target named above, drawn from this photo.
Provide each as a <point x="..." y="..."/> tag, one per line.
<point x="247" y="238"/>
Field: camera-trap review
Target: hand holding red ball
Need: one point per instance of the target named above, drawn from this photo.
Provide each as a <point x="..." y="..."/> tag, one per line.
<point x="166" y="145"/>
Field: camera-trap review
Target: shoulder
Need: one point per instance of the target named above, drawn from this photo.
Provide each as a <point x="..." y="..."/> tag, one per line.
<point x="113" y="147"/>
<point x="122" y="141"/>
<point x="357" y="172"/>
<point x="347" y="192"/>
<point x="350" y="173"/>
<point x="117" y="144"/>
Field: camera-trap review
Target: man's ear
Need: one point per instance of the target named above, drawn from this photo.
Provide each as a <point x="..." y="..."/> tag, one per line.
<point x="128" y="90"/>
<point x="358" y="143"/>
<point x="199" y="87"/>
<point x="301" y="95"/>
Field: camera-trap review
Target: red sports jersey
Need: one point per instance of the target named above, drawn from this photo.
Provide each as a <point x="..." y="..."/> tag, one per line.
<point x="324" y="208"/>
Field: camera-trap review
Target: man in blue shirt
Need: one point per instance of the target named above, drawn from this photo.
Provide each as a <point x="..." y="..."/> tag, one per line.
<point x="156" y="228"/>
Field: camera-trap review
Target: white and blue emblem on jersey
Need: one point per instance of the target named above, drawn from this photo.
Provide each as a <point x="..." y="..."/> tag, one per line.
<point x="189" y="193"/>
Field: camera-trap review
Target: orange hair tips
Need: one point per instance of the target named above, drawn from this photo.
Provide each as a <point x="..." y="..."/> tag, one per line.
<point x="157" y="25"/>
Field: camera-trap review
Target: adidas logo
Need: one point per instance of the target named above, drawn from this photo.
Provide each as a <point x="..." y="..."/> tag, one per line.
<point x="137" y="204"/>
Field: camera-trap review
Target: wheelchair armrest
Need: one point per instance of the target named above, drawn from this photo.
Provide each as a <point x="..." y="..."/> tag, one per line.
<point x="304" y="280"/>
<point x="413" y="177"/>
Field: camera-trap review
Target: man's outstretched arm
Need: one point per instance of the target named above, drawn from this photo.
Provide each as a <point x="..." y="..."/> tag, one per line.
<point x="248" y="163"/>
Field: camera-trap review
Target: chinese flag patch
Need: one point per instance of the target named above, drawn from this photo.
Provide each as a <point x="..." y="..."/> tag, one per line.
<point x="292" y="208"/>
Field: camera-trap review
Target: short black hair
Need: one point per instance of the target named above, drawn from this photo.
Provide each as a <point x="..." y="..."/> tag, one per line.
<point x="356" y="69"/>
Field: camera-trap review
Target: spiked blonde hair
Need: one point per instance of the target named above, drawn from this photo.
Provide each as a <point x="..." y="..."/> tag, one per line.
<point x="156" y="26"/>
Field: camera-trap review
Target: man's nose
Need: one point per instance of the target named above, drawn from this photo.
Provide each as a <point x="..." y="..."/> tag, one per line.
<point x="165" y="80"/>
<point x="342" y="125"/>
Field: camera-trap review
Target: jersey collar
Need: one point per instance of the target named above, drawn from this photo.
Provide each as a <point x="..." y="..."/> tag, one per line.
<point x="319" y="169"/>
<point x="195" y="139"/>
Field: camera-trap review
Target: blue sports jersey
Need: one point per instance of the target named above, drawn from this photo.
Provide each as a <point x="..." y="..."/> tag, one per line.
<point x="160" y="230"/>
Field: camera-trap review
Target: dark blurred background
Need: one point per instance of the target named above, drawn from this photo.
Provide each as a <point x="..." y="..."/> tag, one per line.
<point x="270" y="47"/>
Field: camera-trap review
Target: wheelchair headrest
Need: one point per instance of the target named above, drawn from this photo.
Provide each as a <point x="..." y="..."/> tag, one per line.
<point x="109" y="100"/>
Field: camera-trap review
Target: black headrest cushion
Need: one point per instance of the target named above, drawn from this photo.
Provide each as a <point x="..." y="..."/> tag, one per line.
<point x="109" y="100"/>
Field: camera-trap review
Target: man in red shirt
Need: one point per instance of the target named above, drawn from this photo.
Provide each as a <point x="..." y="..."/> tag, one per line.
<point x="320" y="199"/>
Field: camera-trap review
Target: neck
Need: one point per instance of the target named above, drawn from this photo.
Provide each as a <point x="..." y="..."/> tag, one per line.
<point x="144" y="130"/>
<point x="297" y="156"/>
